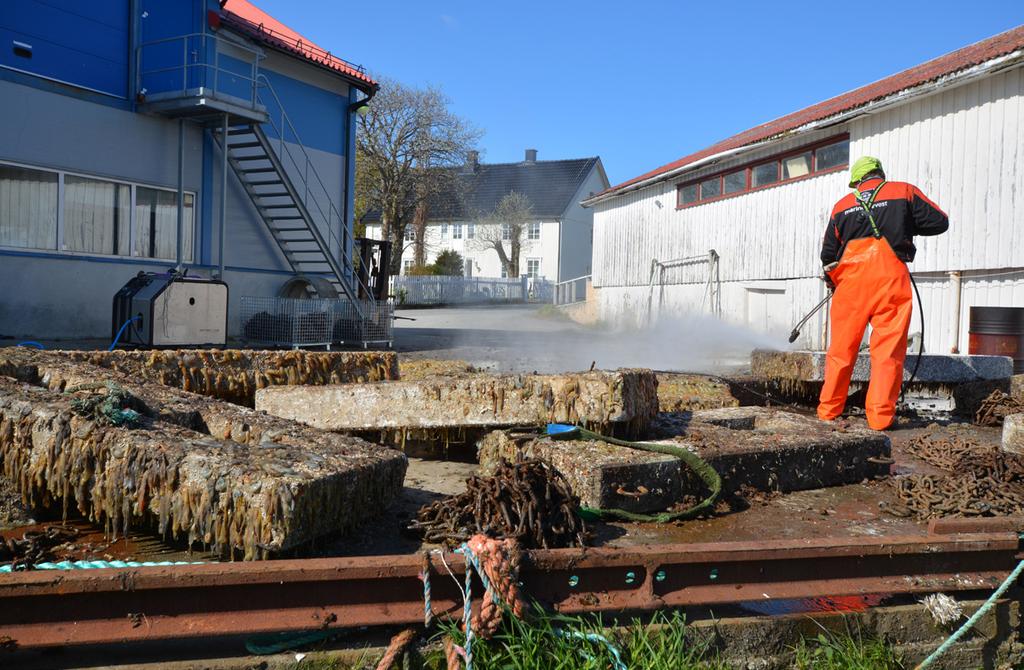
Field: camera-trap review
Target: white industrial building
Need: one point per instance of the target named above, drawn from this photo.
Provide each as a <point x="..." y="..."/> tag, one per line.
<point x="736" y="228"/>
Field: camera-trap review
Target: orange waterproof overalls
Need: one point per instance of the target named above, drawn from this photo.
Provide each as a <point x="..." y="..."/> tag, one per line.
<point x="872" y="286"/>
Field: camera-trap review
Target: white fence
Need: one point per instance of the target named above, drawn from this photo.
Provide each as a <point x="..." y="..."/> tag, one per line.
<point x="571" y="291"/>
<point x="444" y="290"/>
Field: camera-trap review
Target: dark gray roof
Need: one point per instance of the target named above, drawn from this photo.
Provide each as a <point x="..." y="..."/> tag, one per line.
<point x="550" y="186"/>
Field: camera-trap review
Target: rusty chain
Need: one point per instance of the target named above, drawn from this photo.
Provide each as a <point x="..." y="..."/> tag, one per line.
<point x="981" y="481"/>
<point x="528" y="501"/>
<point x="996" y="407"/>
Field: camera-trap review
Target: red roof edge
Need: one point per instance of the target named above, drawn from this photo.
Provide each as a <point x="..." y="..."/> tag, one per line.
<point x="249" y="20"/>
<point x="955" y="61"/>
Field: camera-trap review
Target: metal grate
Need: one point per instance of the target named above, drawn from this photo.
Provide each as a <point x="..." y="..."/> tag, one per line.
<point x="297" y="322"/>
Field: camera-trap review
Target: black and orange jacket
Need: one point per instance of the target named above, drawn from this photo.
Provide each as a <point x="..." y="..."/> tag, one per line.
<point x="900" y="211"/>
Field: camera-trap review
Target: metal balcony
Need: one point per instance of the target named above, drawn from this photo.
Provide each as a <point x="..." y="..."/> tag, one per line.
<point x="199" y="76"/>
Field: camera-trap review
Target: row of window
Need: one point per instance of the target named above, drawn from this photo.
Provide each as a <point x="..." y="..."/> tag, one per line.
<point x="803" y="163"/>
<point x="43" y="209"/>
<point x="456" y="230"/>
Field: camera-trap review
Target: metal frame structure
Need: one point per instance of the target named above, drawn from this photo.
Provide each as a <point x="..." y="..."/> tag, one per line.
<point x="46" y="609"/>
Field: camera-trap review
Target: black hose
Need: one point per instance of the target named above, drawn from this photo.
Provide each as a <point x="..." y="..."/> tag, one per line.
<point x="920" y="348"/>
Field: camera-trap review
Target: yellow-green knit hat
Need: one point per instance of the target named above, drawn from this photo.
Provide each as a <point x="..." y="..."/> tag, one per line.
<point x="864" y="166"/>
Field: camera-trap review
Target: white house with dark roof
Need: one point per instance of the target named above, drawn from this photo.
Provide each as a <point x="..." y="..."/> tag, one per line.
<point x="559" y="239"/>
<point x="737" y="227"/>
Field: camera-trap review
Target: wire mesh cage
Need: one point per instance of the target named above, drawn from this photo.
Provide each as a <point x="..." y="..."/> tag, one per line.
<point x="301" y="322"/>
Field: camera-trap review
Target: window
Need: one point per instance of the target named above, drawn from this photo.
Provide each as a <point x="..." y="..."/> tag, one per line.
<point x="735" y="181"/>
<point x="832" y="154"/>
<point x="796" y="166"/>
<point x="533" y="233"/>
<point x="688" y="194"/>
<point x="410" y="234"/>
<point x="444" y="230"/>
<point x="97" y="216"/>
<point x="28" y="208"/>
<point x="406" y="266"/>
<point x="768" y="173"/>
<point x="156" y="224"/>
<point x="468" y="267"/>
<point x="504" y="271"/>
<point x="456" y="231"/>
<point x="470" y="231"/>
<point x="44" y="209"/>
<point x="533" y="267"/>
<point x="710" y="188"/>
<point x="506" y="232"/>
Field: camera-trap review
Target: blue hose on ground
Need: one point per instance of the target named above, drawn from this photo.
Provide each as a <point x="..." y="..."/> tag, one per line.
<point x="30" y="343"/>
<point x="117" y="338"/>
<point x="944" y="647"/>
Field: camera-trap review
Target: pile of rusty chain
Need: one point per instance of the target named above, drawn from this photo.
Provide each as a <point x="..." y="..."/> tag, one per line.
<point x="995" y="407"/>
<point x="528" y="501"/>
<point x="35" y="546"/>
<point x="982" y="481"/>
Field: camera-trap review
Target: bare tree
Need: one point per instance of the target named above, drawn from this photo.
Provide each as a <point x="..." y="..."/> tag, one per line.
<point x="409" y="147"/>
<point x="506" y="230"/>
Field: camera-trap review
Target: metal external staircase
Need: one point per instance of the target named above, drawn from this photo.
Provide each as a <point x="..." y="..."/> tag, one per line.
<point x="303" y="236"/>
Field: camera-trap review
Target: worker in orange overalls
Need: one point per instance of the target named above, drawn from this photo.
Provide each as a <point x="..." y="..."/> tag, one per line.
<point x="868" y="242"/>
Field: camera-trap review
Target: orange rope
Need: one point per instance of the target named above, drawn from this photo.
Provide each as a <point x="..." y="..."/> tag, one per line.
<point x="396" y="648"/>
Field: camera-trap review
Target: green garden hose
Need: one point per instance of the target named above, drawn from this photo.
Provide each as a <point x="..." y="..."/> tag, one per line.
<point x="705" y="472"/>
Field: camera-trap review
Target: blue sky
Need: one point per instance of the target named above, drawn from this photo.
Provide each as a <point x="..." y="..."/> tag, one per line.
<point x="640" y="83"/>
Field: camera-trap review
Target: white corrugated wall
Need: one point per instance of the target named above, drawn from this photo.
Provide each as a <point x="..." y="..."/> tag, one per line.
<point x="963" y="147"/>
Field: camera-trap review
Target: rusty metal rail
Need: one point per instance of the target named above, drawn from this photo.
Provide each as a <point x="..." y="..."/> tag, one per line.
<point x="48" y="608"/>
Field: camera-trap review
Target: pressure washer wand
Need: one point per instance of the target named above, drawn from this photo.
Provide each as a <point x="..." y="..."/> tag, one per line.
<point x="796" y="331"/>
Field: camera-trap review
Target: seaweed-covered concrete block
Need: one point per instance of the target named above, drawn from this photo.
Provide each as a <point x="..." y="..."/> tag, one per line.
<point x="622" y="401"/>
<point x="602" y="475"/>
<point x="235" y="374"/>
<point x="200" y="470"/>
<point x="809" y="366"/>
<point x="748" y="446"/>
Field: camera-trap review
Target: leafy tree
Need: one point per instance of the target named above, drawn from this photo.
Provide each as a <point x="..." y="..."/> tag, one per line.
<point x="449" y="262"/>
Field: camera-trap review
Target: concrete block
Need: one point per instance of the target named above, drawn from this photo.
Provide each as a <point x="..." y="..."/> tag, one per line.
<point x="602" y="475"/>
<point x="1013" y="434"/>
<point x="809" y="366"/>
<point x="748" y="446"/>
<point x="235" y="374"/>
<point x="622" y="402"/>
<point x="201" y="470"/>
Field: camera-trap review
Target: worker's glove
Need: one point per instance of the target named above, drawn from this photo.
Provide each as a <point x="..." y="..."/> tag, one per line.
<point x="827" y="278"/>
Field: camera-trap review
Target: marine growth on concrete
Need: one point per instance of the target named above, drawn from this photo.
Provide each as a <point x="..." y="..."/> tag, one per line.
<point x="197" y="470"/>
<point x="622" y="402"/>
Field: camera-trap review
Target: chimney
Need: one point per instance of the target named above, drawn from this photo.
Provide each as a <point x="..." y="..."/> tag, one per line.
<point x="472" y="161"/>
<point x="531" y="156"/>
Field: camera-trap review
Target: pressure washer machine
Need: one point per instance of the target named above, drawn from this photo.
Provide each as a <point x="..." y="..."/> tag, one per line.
<point x="171" y="309"/>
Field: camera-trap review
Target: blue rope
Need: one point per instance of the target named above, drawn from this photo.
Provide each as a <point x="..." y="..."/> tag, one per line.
<point x="597" y="638"/>
<point x="30" y="343"/>
<point x="944" y="647"/>
<point x="117" y="337"/>
<point x="99" y="565"/>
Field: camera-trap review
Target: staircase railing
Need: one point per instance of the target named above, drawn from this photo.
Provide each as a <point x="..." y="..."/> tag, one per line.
<point x="197" y="66"/>
<point x="315" y="195"/>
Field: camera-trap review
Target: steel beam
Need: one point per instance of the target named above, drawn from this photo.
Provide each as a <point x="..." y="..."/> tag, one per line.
<point x="50" y="608"/>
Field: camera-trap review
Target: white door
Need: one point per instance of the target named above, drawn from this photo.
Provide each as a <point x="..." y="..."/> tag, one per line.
<point x="767" y="310"/>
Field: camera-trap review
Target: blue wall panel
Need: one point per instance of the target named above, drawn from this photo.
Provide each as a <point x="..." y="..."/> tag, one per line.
<point x="319" y="116"/>
<point x="85" y="44"/>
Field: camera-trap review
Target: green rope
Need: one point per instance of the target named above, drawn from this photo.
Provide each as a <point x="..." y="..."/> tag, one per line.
<point x="705" y="472"/>
<point x="115" y="407"/>
<point x="952" y="639"/>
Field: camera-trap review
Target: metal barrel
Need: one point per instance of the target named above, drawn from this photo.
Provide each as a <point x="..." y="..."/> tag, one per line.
<point x="998" y="331"/>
